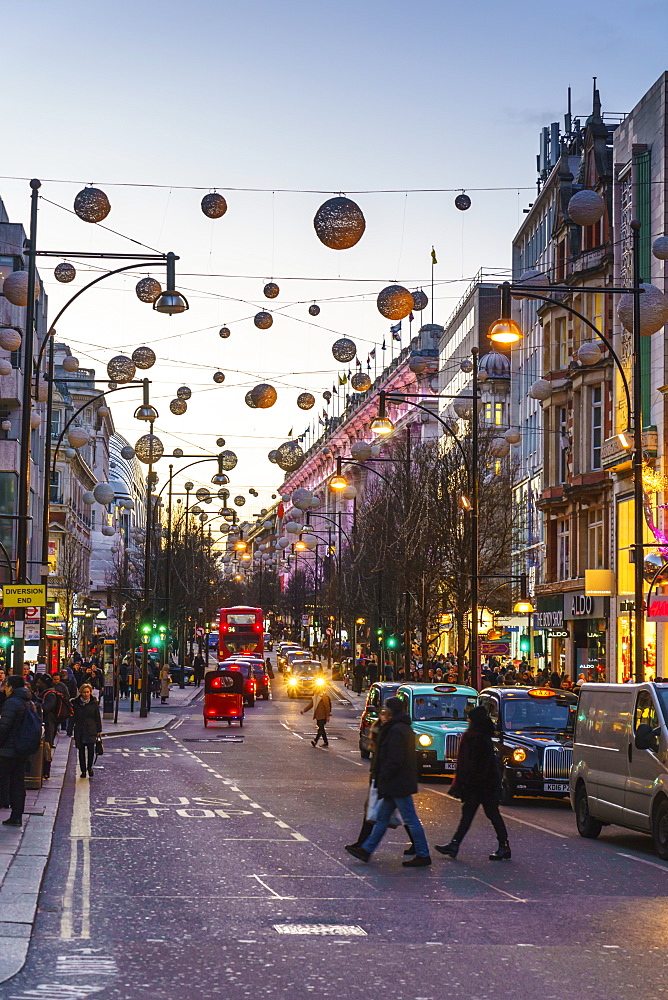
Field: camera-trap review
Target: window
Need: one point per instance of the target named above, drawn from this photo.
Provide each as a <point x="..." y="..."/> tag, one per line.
<point x="597" y="311"/>
<point x="56" y="423"/>
<point x="54" y="489"/>
<point x="491" y="706"/>
<point x="596" y="426"/>
<point x="563" y="548"/>
<point x="595" y="548"/>
<point x="645" y="713"/>
<point x="494" y="414"/>
<point x="563" y="444"/>
<point x="6" y="267"/>
<point x="561" y="344"/>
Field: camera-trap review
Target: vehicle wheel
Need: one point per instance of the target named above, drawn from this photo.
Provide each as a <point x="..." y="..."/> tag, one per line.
<point x="229" y="722"/>
<point x="507" y="792"/>
<point x="251" y="702"/>
<point x="587" y="825"/>
<point x="265" y="697"/>
<point x="241" y="723"/>
<point x="364" y="753"/>
<point x="660" y="829"/>
<point x="206" y="723"/>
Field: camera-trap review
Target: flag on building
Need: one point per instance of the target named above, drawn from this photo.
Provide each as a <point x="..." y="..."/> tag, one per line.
<point x="383" y="348"/>
<point x="372" y="354"/>
<point x="433" y="256"/>
<point x="343" y="379"/>
<point x="335" y="390"/>
<point x="394" y="330"/>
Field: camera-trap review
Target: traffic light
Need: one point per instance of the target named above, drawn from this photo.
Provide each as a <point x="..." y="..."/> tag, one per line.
<point x="145" y="632"/>
<point x="525" y="645"/>
<point x="392" y="642"/>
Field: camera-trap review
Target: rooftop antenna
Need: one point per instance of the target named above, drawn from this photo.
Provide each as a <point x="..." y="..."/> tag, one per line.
<point x="568" y="118"/>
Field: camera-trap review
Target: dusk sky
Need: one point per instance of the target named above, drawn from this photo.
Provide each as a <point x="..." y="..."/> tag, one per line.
<point x="152" y="101"/>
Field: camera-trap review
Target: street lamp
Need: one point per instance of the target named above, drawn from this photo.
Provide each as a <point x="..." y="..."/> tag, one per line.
<point x="338" y="481"/>
<point x="381" y="425"/>
<point x="505" y="330"/>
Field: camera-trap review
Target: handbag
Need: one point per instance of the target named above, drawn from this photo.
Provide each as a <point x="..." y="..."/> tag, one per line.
<point x="48" y="752"/>
<point x="99" y="749"/>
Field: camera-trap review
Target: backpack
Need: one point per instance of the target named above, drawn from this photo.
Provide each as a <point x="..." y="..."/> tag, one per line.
<point x="64" y="708"/>
<point x="29" y="735"/>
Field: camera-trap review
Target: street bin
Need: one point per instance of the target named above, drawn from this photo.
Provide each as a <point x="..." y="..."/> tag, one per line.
<point x="34" y="766"/>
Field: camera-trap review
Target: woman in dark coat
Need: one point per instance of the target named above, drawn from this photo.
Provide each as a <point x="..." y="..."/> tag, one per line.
<point x="87" y="727"/>
<point x="478" y="783"/>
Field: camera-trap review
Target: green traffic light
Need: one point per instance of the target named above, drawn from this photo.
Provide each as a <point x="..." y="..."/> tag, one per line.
<point x="391" y="642"/>
<point x="524" y="644"/>
<point x="4" y="640"/>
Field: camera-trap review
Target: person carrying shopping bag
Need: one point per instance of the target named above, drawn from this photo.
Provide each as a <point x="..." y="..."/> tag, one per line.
<point x="87" y="727"/>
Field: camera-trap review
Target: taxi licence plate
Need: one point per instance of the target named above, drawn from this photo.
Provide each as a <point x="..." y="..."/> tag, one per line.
<point x="449" y="765"/>
<point x="555" y="786"/>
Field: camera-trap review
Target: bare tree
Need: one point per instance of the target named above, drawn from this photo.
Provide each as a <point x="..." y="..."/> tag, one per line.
<point x="71" y="579"/>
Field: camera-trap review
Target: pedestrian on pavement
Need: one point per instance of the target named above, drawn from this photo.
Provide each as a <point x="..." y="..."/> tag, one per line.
<point x="322" y="709"/>
<point x="555" y="680"/>
<point x="12" y="764"/>
<point x="396" y="780"/>
<point x="49" y="701"/>
<point x="478" y="783"/>
<point x="87" y="727"/>
<point x="165" y="681"/>
<point x="198" y="669"/>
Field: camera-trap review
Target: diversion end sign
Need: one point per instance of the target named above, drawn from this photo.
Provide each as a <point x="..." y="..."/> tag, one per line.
<point x="24" y="595"/>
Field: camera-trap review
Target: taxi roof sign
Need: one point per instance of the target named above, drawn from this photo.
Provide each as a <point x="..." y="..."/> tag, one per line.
<point x="24" y="595"/>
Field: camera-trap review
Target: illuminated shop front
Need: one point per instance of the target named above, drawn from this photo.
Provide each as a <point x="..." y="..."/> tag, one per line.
<point x="587" y="620"/>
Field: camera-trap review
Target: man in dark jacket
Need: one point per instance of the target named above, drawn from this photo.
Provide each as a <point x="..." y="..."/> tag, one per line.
<point x="12" y="766"/>
<point x="478" y="783"/>
<point x="395" y="776"/>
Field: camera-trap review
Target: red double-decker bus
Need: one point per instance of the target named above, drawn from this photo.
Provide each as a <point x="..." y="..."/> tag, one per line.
<point x="241" y="630"/>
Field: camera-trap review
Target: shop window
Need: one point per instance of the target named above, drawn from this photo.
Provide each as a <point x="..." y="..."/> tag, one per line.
<point x="595" y="539"/>
<point x="563" y="548"/>
<point x="596" y="426"/>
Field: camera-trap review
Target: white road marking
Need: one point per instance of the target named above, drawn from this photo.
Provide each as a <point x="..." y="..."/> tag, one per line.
<point x="300" y="837"/>
<point x="55" y="991"/>
<point x="279" y="822"/>
<point x="642" y="861"/>
<point x="510" y="816"/>
<point x="71" y="965"/>
<point x="268" y="815"/>
<point x="345" y="930"/>
<point x="80" y="831"/>
<point x="273" y="892"/>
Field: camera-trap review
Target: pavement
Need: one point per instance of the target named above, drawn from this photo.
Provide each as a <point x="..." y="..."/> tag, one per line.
<point x="212" y="861"/>
<point x="159" y="716"/>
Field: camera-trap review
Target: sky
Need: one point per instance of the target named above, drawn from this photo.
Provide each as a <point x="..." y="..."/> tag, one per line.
<point x="299" y="101"/>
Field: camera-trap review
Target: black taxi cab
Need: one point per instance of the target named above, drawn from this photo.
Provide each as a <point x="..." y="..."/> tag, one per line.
<point x="533" y="738"/>
<point x="375" y="699"/>
<point x="439" y="717"/>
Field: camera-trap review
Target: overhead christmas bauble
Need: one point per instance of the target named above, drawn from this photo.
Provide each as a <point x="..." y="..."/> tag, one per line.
<point x="310" y="541"/>
<point x="466" y="365"/>
<point x="376" y="450"/>
<point x="77" y="437"/>
<point x="5" y="366"/>
<point x="264" y="395"/>
<point x="121" y="369"/>
<point x="127" y="452"/>
<point x="103" y="493"/>
<point x="228" y="460"/>
<point x="148" y="289"/>
<point x="395" y="302"/>
<point x="529" y="279"/>
<point x="149" y="448"/>
<point x="294" y="527"/>
<point x="88" y="497"/>
<point x="219" y="377"/>
<point x="463" y="408"/>
<point x="349" y="492"/>
<point x="223" y="494"/>
<point x="589" y="353"/>
<point x="112" y="385"/>
<point x="184" y="392"/>
<point x="92" y="205"/>
<point x="283" y="543"/>
<point x="144" y="358"/>
<point x="202" y="493"/>
<point x="214" y="205"/>
<point x="660" y="248"/>
<point x="249" y="400"/>
<point x="289" y="456"/>
<point x="178" y="453"/>
<point x="10" y="340"/>
<point x="653" y="310"/>
<point x="271" y="290"/>
<point x="314" y="310"/>
<point x="361" y="451"/>
<point x="35" y="420"/>
<point x="263" y="320"/>
<point x="344" y="349"/>
<point x="462" y="202"/>
<point x="65" y="272"/>
<point x="420" y="300"/>
<point x="224" y="332"/>
<point x="15" y="288"/>
<point x="327" y="396"/>
<point x="417" y="364"/>
<point x="513" y="435"/>
<point x="108" y="530"/>
<point x="42" y="391"/>
<point x="7" y="426"/>
<point x="305" y="400"/>
<point x="239" y="501"/>
<point x="272" y="456"/>
<point x="360" y="382"/>
<point x="70" y="363"/>
<point x="339" y="223"/>
<point x="586" y="207"/>
<point x="301" y="498"/>
<point x="499" y="447"/>
<point x="178" y="406"/>
<point x="540" y="389"/>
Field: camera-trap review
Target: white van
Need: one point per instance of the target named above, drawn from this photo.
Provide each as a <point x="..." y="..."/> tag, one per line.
<point x="620" y="760"/>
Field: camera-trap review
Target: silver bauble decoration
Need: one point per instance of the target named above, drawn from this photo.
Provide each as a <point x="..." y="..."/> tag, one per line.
<point x="144" y="358"/>
<point x="540" y="389"/>
<point x="184" y="392"/>
<point x="178" y="407"/>
<point x="148" y="289"/>
<point x="589" y="353"/>
<point x="361" y="451"/>
<point x="70" y="363"/>
<point x="499" y="447"/>
<point x="219" y="378"/>
<point x="149" y="448"/>
<point x="77" y="437"/>
<point x="586" y="207"/>
<point x="271" y="290"/>
<point x="395" y="302"/>
<point x="10" y="340"/>
<point x="360" y="382"/>
<point x="121" y="369"/>
<point x="339" y="223"/>
<point x="224" y="332"/>
<point x="305" y="400"/>
<point x="228" y="460"/>
<point x="263" y="320"/>
<point x="92" y="205"/>
<point x="213" y="205"/>
<point x="103" y="493"/>
<point x="344" y="350"/>
<point x="420" y="300"/>
<point x="15" y="288"/>
<point x="127" y="452"/>
<point x="660" y="248"/>
<point x="653" y="310"/>
<point x="65" y="272"/>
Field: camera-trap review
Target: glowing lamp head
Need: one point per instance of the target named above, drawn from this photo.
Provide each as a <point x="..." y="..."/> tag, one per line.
<point x="338" y="482"/>
<point x="300" y="546"/>
<point x="240" y="546"/>
<point x="504" y="331"/>
<point x="523" y="608"/>
<point x="624" y="441"/>
<point x="424" y="740"/>
<point x="381" y="426"/>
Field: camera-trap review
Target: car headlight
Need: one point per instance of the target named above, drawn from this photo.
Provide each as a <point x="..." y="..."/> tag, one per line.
<point x="319" y="682"/>
<point x="424" y="740"/>
<point x="292" y="682"/>
<point x="519" y="754"/>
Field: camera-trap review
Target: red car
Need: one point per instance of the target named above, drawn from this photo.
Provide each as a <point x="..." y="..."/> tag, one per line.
<point x="246" y="670"/>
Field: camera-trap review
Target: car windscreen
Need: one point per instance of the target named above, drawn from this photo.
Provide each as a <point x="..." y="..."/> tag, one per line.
<point x="240" y="619"/>
<point x="243" y="668"/>
<point x="446" y="707"/>
<point x="306" y="669"/>
<point x="662" y="693"/>
<point x="534" y="713"/>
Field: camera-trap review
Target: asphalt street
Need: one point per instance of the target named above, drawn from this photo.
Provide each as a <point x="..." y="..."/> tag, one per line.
<point x="184" y="867"/>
